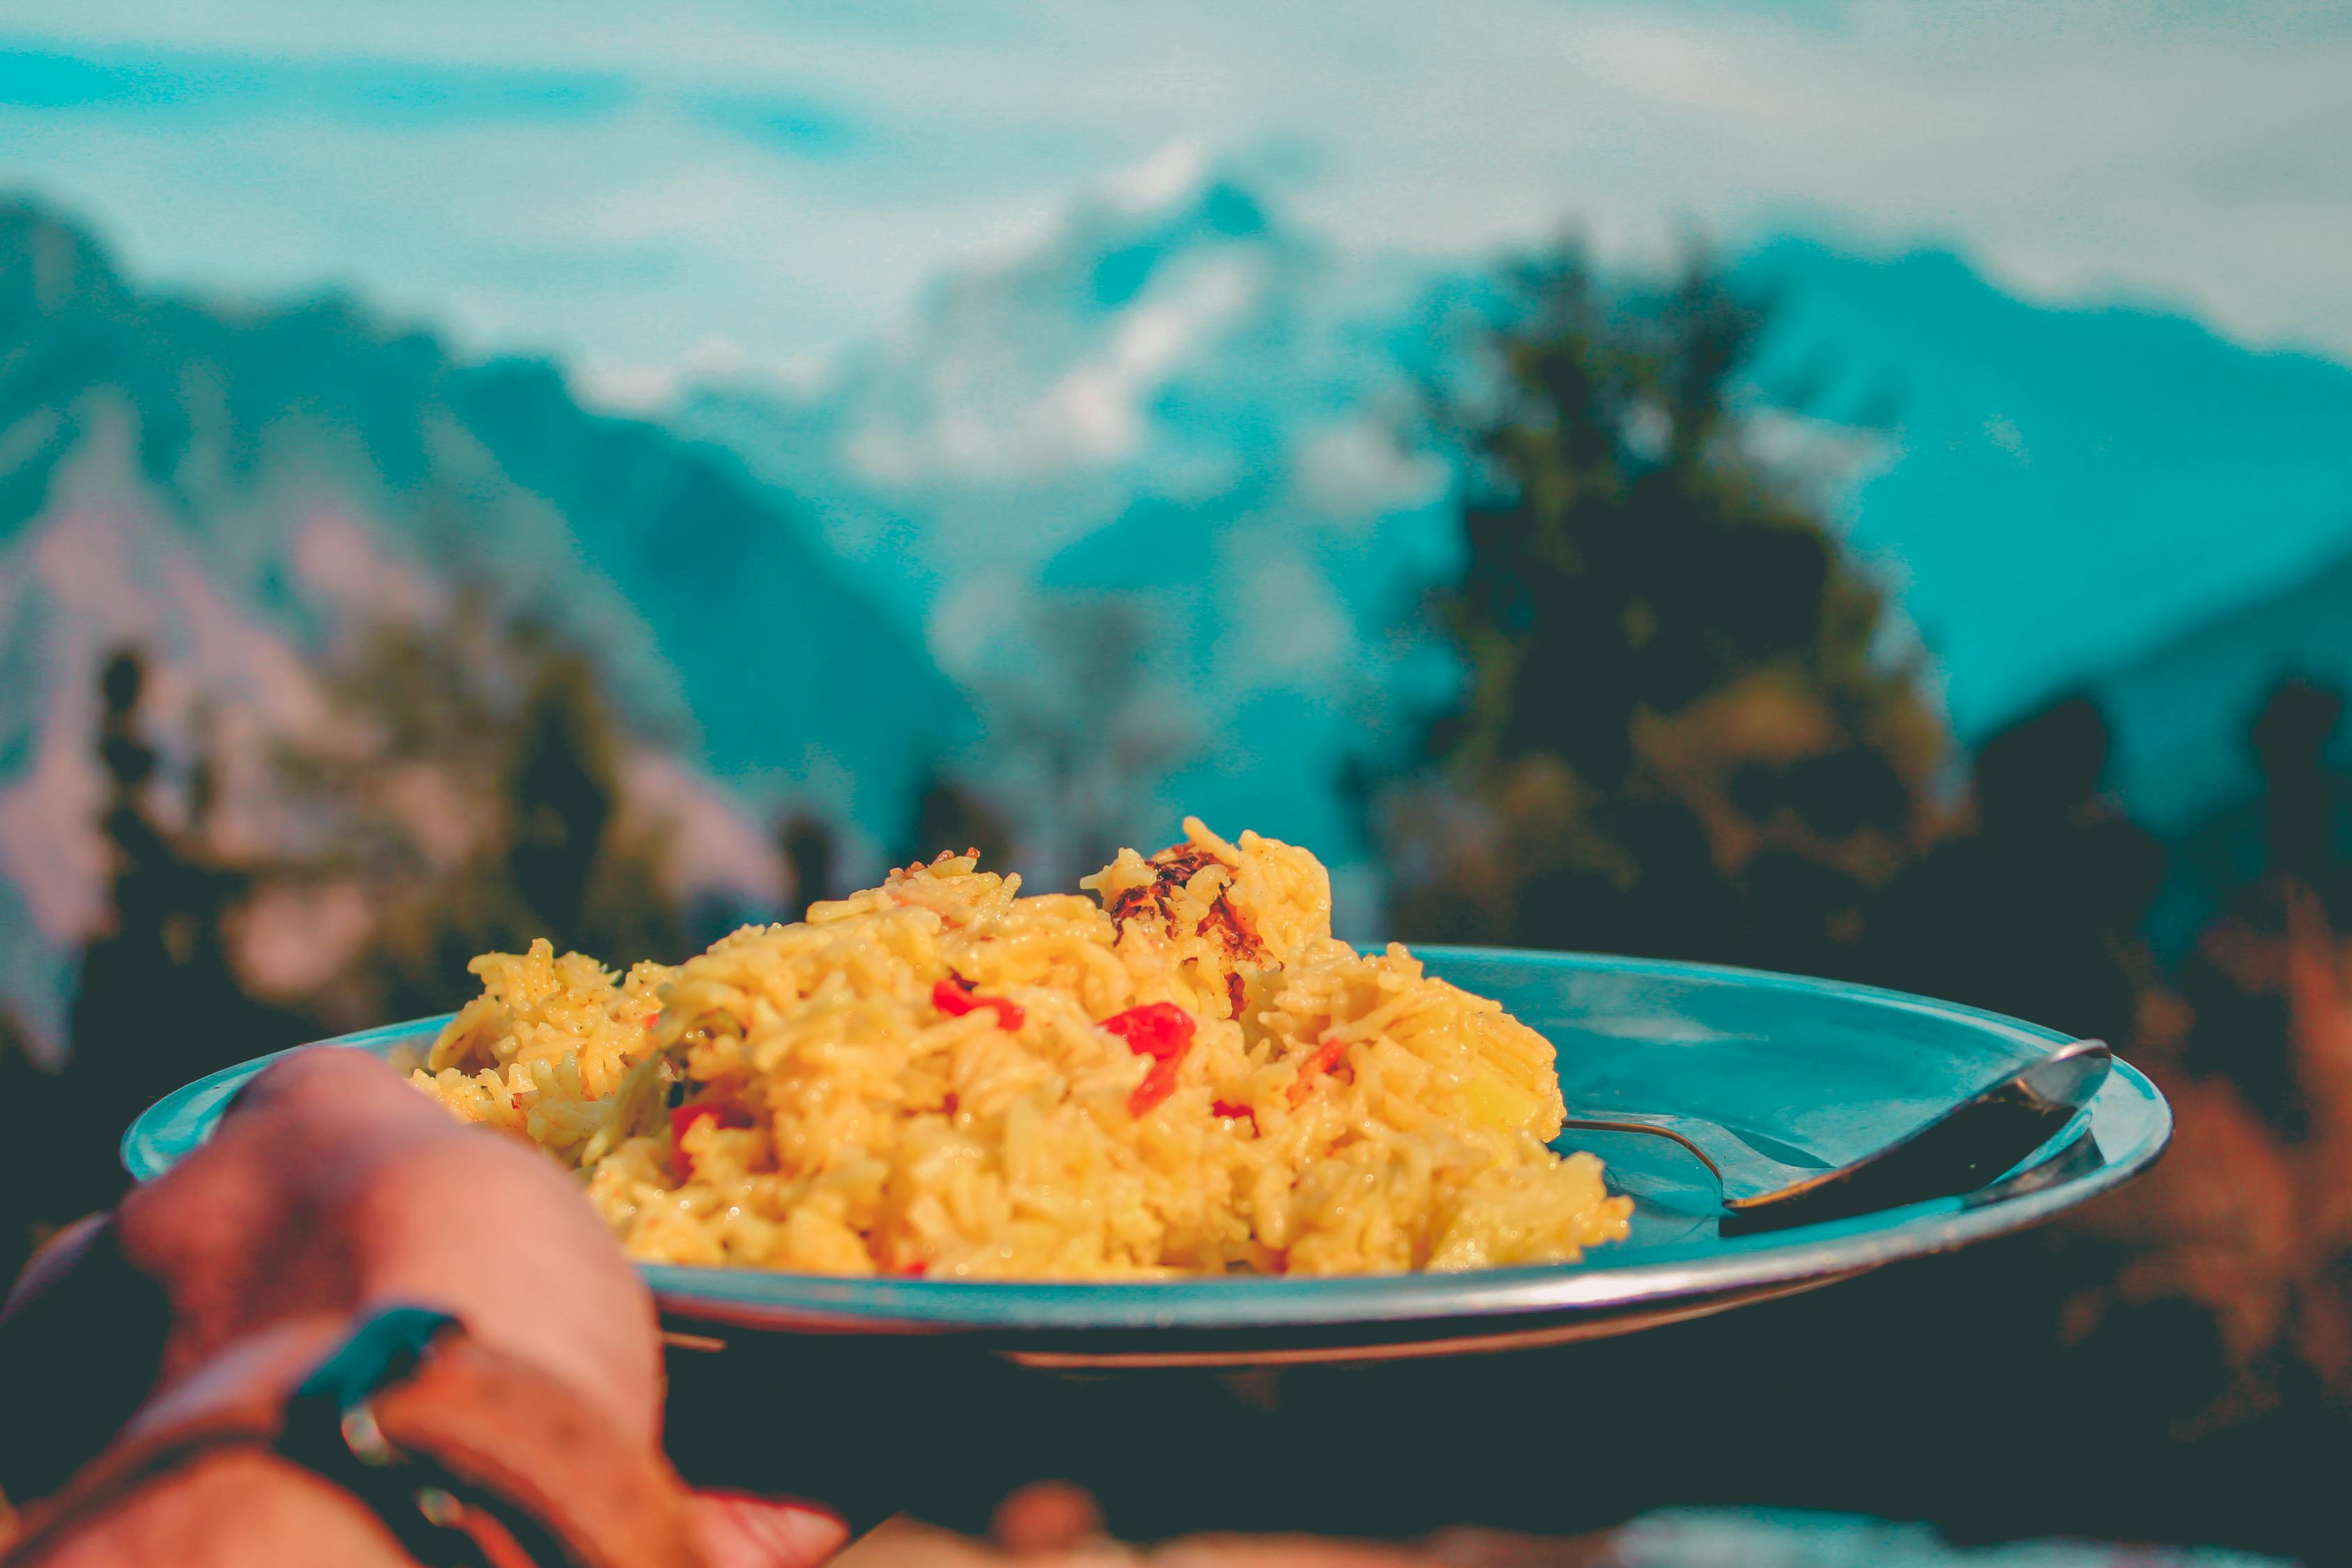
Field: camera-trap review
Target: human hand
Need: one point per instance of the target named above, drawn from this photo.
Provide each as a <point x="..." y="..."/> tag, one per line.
<point x="332" y="1188"/>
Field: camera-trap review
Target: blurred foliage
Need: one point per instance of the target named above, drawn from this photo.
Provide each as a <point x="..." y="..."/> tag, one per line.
<point x="1674" y="740"/>
<point x="1674" y="737"/>
<point x="160" y="1000"/>
<point x="472" y="794"/>
<point x="466" y="796"/>
<point x="954" y="816"/>
<point x="2034" y="903"/>
<point x="812" y="853"/>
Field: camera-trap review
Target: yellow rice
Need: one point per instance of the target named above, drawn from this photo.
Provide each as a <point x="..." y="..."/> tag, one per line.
<point x="1335" y="1114"/>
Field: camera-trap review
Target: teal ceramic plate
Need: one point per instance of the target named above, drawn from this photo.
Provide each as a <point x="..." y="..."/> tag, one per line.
<point x="1828" y="1070"/>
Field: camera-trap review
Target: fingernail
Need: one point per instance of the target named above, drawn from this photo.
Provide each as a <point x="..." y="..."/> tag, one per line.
<point x="791" y="1533"/>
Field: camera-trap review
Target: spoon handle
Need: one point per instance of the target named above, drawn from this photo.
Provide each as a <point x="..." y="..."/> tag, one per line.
<point x="1956" y="1152"/>
<point x="1966" y="1147"/>
<point x="1744" y="1174"/>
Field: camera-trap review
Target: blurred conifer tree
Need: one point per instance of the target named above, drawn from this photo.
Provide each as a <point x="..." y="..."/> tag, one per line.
<point x="1672" y="738"/>
<point x="813" y="852"/>
<point x="952" y="816"/>
<point x="476" y="800"/>
<point x="160" y="1000"/>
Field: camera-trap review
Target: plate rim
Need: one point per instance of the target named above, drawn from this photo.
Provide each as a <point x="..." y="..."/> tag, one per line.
<point x="1597" y="1286"/>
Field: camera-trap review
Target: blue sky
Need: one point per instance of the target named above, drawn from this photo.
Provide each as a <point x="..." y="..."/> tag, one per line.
<point x="643" y="189"/>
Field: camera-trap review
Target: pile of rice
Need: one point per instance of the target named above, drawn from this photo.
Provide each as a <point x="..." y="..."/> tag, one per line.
<point x="1182" y="1074"/>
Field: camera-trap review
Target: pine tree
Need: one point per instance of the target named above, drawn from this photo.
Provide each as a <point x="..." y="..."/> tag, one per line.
<point x="951" y="816"/>
<point x="812" y="850"/>
<point x="159" y="1001"/>
<point x="1673" y="737"/>
<point x="483" y="809"/>
<point x="561" y="794"/>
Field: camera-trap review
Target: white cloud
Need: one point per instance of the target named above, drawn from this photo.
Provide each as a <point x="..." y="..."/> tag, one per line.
<point x="640" y="387"/>
<point x="1092" y="412"/>
<point x="1359" y="471"/>
<point x="1287" y="626"/>
<point x="973" y="406"/>
<point x="1160" y="179"/>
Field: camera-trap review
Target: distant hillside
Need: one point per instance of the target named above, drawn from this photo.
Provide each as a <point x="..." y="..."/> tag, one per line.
<point x="237" y="488"/>
<point x="2062" y="489"/>
<point x="2183" y="711"/>
<point x="2183" y="714"/>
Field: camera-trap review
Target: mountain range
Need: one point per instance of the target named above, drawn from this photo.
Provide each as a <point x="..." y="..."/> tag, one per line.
<point x="237" y="490"/>
<point x="1192" y="404"/>
<point x="2058" y="493"/>
<point x="1178" y="414"/>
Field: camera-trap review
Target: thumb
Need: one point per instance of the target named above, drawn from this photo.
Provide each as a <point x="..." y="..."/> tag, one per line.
<point x="739" y="1530"/>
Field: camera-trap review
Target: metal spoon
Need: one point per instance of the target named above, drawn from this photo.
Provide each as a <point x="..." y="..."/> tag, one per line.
<point x="1956" y="1151"/>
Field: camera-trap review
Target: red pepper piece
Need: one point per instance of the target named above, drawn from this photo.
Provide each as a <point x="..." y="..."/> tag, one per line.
<point x="1157" y="1085"/>
<point x="1161" y="1029"/>
<point x="725" y="1112"/>
<point x="1326" y="1057"/>
<point x="1229" y="1111"/>
<point x="955" y="999"/>
<point x="915" y="1270"/>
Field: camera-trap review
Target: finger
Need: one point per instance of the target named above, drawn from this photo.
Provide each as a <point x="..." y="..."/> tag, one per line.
<point x="334" y="1185"/>
<point x="248" y="1225"/>
<point x="1045" y="1517"/>
<point x="322" y="1111"/>
<point x="328" y="1090"/>
<point x="81" y="1343"/>
<point x="738" y="1531"/>
<point x="485" y="1226"/>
